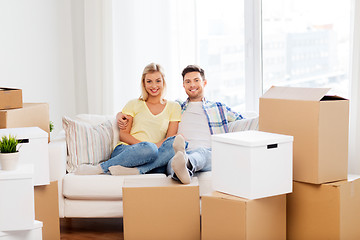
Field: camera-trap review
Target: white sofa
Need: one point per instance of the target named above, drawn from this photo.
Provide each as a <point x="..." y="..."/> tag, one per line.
<point x="100" y="196"/>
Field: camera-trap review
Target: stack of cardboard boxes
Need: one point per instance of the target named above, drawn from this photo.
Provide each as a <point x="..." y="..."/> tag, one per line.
<point x="325" y="202"/>
<point x="30" y="123"/>
<point x="251" y="173"/>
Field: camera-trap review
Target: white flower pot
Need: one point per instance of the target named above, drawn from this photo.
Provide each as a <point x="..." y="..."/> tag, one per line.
<point x="9" y="161"/>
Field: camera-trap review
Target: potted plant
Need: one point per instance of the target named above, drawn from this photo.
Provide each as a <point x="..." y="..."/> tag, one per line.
<point x="9" y="154"/>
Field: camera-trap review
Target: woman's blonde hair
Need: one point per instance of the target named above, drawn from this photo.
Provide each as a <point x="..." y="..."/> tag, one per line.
<point x="151" y="68"/>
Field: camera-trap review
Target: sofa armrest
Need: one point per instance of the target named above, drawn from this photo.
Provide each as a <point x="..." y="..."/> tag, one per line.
<point x="250" y="122"/>
<point x="57" y="165"/>
<point x="57" y="158"/>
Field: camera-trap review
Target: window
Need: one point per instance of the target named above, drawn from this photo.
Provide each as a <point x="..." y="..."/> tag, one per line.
<point x="312" y="39"/>
<point x="220" y="44"/>
<point x="244" y="46"/>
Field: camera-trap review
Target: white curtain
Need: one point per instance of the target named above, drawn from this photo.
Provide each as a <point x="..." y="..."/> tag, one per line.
<point x="354" y="135"/>
<point x="151" y="31"/>
<point x="92" y="48"/>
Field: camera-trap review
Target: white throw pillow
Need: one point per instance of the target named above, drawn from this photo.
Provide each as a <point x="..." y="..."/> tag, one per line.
<point x="95" y="119"/>
<point x="87" y="143"/>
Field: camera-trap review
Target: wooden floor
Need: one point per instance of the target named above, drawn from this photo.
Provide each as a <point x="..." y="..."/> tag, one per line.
<point x="93" y="228"/>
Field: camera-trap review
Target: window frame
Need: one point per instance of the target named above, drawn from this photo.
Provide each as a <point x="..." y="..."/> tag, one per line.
<point x="253" y="54"/>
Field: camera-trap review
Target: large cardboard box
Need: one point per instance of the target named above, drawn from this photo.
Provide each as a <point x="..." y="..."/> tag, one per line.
<point x="228" y="217"/>
<point x="30" y="115"/>
<point x="33" y="149"/>
<point x="319" y="124"/>
<point x="161" y="209"/>
<point x="47" y="210"/>
<point x="252" y="164"/>
<point x="325" y="211"/>
<point x="10" y="98"/>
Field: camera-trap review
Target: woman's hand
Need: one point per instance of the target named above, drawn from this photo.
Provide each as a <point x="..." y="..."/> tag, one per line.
<point x="122" y="120"/>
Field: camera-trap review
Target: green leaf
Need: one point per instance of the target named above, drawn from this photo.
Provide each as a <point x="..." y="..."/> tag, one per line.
<point x="8" y="144"/>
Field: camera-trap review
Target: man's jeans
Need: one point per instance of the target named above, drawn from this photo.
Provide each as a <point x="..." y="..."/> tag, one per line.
<point x="200" y="161"/>
<point x="145" y="156"/>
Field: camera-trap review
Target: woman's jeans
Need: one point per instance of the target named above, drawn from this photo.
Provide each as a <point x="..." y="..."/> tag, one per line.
<point x="145" y="156"/>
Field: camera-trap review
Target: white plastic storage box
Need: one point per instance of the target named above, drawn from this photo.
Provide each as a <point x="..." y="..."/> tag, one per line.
<point x="252" y="164"/>
<point x="34" y="233"/>
<point x="33" y="149"/>
<point x="17" y="199"/>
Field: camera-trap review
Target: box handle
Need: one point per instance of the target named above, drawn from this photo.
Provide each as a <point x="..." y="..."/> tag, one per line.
<point x="270" y="146"/>
<point x="23" y="140"/>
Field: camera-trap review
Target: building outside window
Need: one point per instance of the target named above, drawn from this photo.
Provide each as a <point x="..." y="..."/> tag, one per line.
<point x="306" y="44"/>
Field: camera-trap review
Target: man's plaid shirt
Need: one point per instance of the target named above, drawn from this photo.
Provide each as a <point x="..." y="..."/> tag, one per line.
<point x="218" y="115"/>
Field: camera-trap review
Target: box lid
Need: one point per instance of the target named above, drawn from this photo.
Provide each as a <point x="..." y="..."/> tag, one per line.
<point x="351" y="178"/>
<point x="22" y="171"/>
<point x="296" y="93"/>
<point x="251" y="138"/>
<point x="24" y="133"/>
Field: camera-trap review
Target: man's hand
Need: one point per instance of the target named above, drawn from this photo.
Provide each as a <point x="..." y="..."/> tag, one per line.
<point x="122" y="120"/>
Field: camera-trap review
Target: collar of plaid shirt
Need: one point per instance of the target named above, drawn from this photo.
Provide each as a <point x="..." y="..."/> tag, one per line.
<point x="217" y="114"/>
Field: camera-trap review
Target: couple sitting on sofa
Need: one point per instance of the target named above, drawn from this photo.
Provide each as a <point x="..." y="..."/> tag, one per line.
<point x="148" y="126"/>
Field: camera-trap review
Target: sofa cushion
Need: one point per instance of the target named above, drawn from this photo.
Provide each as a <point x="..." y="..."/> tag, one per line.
<point x="98" y="187"/>
<point x="86" y="143"/>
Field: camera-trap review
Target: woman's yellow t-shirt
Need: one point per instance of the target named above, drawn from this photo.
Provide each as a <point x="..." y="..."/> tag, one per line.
<point x="147" y="126"/>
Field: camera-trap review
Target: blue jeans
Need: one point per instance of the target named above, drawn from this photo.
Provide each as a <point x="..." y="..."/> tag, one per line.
<point x="200" y="161"/>
<point x="145" y="156"/>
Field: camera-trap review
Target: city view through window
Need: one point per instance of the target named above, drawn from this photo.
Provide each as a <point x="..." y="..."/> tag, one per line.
<point x="220" y="27"/>
<point x="304" y="44"/>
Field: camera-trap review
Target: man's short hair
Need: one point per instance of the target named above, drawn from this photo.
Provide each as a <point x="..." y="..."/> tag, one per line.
<point x="193" y="68"/>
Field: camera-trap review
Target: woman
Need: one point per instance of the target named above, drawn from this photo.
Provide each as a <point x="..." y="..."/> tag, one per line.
<point x="146" y="142"/>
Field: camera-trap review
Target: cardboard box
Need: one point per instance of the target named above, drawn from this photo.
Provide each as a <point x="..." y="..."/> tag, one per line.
<point x="319" y="124"/>
<point x="161" y="209"/>
<point x="228" y="217"/>
<point x="326" y="211"/>
<point x="30" y="115"/>
<point x="32" y="149"/>
<point x="47" y="210"/>
<point x="10" y="98"/>
<point x="252" y="164"/>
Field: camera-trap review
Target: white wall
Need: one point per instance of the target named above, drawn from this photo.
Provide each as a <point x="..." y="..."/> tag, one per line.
<point x="36" y="53"/>
<point x="151" y="31"/>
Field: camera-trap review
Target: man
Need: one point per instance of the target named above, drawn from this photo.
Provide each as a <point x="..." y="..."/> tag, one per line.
<point x="199" y="120"/>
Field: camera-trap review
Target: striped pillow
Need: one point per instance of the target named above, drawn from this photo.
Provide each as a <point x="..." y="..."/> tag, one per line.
<point x="86" y="143"/>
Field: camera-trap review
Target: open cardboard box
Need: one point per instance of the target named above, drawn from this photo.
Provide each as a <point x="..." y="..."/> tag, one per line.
<point x="319" y="124"/>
